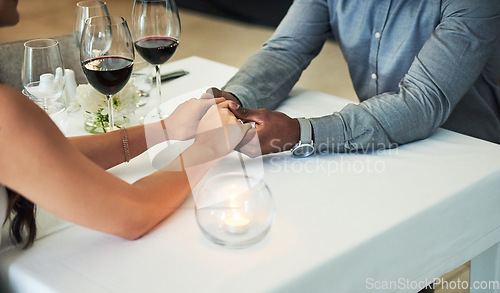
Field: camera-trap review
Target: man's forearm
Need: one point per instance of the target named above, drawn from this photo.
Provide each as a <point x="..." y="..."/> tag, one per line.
<point x="263" y="81"/>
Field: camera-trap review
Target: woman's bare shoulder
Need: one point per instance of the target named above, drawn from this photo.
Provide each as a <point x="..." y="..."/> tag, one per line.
<point x="12" y="103"/>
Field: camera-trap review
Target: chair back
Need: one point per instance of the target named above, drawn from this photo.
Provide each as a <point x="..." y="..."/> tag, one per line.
<point x="12" y="55"/>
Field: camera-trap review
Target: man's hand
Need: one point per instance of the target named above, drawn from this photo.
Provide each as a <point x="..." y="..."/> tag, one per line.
<point x="274" y="131"/>
<point x="222" y="94"/>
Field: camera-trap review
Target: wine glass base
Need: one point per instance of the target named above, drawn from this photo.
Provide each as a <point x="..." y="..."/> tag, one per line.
<point x="159" y="116"/>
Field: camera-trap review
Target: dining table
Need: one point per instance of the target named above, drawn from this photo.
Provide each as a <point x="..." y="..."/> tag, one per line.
<point x="389" y="220"/>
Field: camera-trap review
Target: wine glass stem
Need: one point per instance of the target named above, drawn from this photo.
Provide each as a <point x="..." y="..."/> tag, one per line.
<point x="158" y="85"/>
<point x="111" y="116"/>
<point x="45" y="104"/>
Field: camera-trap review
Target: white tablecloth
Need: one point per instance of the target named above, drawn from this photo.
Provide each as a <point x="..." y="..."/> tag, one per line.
<point x="343" y="222"/>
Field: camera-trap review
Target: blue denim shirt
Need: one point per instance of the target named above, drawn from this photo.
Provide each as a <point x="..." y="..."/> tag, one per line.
<point x="416" y="65"/>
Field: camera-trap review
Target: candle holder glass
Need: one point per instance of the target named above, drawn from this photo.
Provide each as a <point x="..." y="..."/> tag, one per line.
<point x="234" y="210"/>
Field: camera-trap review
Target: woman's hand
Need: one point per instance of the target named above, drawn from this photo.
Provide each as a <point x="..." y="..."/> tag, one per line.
<point x="183" y="122"/>
<point x="219" y="131"/>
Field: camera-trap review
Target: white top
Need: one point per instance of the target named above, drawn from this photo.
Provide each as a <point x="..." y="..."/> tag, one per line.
<point x="3" y="206"/>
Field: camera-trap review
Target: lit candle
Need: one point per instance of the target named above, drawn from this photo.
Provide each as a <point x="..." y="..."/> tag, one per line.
<point x="236" y="224"/>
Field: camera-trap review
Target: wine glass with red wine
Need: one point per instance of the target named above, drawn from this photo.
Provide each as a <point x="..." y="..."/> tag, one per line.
<point x="156" y="29"/>
<point x="107" y="56"/>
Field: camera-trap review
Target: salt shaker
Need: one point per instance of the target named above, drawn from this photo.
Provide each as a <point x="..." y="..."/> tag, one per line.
<point x="46" y="83"/>
<point x="70" y="88"/>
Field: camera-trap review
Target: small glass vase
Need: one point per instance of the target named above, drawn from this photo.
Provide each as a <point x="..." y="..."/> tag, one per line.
<point x="234" y="210"/>
<point x="98" y="123"/>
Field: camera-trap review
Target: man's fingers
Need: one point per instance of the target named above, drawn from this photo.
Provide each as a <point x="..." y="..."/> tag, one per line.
<point x="238" y="111"/>
<point x="209" y="95"/>
<point x="246" y="114"/>
<point x="218" y="93"/>
<point x="224" y="104"/>
<point x="219" y="100"/>
<point x="214" y="92"/>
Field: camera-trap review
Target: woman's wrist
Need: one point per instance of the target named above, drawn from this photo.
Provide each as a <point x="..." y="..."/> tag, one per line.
<point x="156" y="133"/>
<point x="172" y="130"/>
<point x="166" y="129"/>
<point x="197" y="159"/>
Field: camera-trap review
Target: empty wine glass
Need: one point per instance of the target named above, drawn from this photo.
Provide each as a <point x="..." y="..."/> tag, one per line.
<point x="107" y="56"/>
<point x="156" y="28"/>
<point x="43" y="74"/>
<point x="84" y="10"/>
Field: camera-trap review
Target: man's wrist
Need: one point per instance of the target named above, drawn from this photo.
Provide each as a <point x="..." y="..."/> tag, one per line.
<point x="296" y="133"/>
<point x="217" y="93"/>
<point x="293" y="137"/>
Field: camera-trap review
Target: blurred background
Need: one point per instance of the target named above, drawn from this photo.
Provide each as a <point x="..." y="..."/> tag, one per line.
<point x="219" y="30"/>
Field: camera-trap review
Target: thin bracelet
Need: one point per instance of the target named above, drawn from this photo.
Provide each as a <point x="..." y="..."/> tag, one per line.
<point x="126" y="149"/>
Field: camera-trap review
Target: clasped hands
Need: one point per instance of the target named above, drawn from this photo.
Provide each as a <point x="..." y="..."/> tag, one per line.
<point x="273" y="132"/>
<point x="217" y="124"/>
<point x="210" y="122"/>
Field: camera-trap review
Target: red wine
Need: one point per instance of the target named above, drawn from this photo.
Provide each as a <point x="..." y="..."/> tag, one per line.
<point x="108" y="74"/>
<point x="156" y="50"/>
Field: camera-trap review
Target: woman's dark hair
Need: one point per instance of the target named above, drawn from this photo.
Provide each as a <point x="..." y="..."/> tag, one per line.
<point x="21" y="214"/>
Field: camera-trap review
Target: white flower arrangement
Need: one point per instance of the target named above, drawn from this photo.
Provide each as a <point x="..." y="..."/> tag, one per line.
<point x="93" y="102"/>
